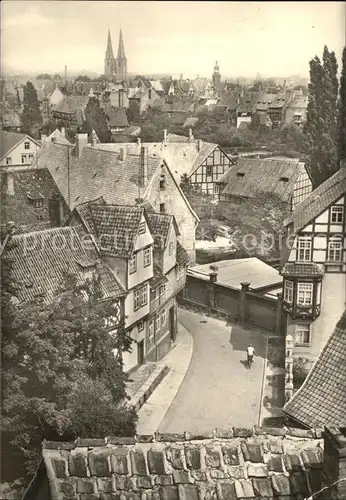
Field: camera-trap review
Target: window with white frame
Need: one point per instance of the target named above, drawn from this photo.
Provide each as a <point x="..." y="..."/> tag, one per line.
<point x="288" y="291"/>
<point x="24" y="160"/>
<point x="147" y="257"/>
<point x="337" y="214"/>
<point x="163" y="317"/>
<point x="142" y="228"/>
<point x="137" y="300"/>
<point x="305" y="294"/>
<point x="170" y="247"/>
<point x="162" y="290"/>
<point x="38" y="203"/>
<point x="144" y="296"/>
<point x="8" y="160"/>
<point x="157" y="322"/>
<point x="303" y="335"/>
<point x="26" y="145"/>
<point x="304" y="248"/>
<point x="31" y="156"/>
<point x="133" y="264"/>
<point x="335" y="251"/>
<point x="216" y="188"/>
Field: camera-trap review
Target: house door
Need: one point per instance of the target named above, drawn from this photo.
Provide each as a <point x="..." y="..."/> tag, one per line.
<point x="140" y="352"/>
<point x="172" y="327"/>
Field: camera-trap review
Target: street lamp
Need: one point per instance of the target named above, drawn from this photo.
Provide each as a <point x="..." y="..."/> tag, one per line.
<point x="68" y="169"/>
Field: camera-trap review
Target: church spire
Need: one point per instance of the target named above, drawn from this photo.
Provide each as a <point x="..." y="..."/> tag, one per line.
<point x="109" y="50"/>
<point x="121" y="50"/>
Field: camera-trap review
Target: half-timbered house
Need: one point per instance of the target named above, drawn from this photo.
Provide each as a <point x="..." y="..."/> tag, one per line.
<point x="314" y="270"/>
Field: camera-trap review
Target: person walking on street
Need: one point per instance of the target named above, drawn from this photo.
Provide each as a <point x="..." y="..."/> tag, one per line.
<point x="250" y="355"/>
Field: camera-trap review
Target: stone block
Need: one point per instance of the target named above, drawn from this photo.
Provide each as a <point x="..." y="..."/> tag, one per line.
<point x="262" y="487"/>
<point x="164" y="480"/>
<point x="275" y="464"/>
<point x="281" y="485"/>
<point x="67" y="486"/>
<point x="226" y="491"/>
<point x="230" y="455"/>
<point x="248" y="491"/>
<point x="89" y="496"/>
<point x="276" y="446"/>
<point x="189" y="436"/>
<point x="180" y="476"/>
<point x="270" y="431"/>
<point x="89" y="443"/>
<point x="224" y="434"/>
<point x="188" y="492"/>
<point x="85" y="485"/>
<point x="257" y="470"/>
<point x="77" y="462"/>
<point x="124" y="482"/>
<point x="212" y="457"/>
<point x="241" y="432"/>
<point x="312" y="458"/>
<point x="169" y="493"/>
<point x="60" y="467"/>
<point x="193" y="457"/>
<point x="99" y="462"/>
<point x="156" y="462"/>
<point x="58" y="445"/>
<point x="119" y="460"/>
<point x="301" y="433"/>
<point x="138" y="464"/>
<point x="175" y="456"/>
<point x="104" y="485"/>
<point x="197" y="475"/>
<point x="121" y="440"/>
<point x="144" y="482"/>
<point x="299" y="484"/>
<point x="251" y="452"/>
<point x="218" y="474"/>
<point x="145" y="438"/>
<point x="292" y="462"/>
<point x="235" y="472"/>
<point x="169" y="438"/>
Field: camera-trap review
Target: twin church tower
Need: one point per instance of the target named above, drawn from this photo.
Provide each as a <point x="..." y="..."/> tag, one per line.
<point x="115" y="68"/>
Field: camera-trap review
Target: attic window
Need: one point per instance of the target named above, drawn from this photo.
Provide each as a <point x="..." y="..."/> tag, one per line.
<point x="240" y="174"/>
<point x="142" y="228"/>
<point x="284" y="179"/>
<point x="162" y="181"/>
<point x="94" y="175"/>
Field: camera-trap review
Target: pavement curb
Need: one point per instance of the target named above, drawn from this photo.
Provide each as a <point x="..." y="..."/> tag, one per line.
<point x="178" y="360"/>
<point x="148" y="387"/>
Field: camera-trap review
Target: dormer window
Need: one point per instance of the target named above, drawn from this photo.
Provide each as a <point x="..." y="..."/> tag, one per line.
<point x="284" y="179"/>
<point x="162" y="181"/>
<point x="240" y="174"/>
<point x="38" y="203"/>
<point x="337" y="214"/>
<point x="142" y="228"/>
<point x="37" y="199"/>
<point x="26" y="145"/>
<point x="170" y="247"/>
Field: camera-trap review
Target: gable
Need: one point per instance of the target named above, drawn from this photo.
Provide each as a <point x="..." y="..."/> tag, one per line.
<point x="144" y="238"/>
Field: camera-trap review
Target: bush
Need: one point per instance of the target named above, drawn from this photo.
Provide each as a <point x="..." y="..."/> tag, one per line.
<point x="300" y="372"/>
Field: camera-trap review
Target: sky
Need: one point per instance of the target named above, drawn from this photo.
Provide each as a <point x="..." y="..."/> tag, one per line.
<point x="246" y="38"/>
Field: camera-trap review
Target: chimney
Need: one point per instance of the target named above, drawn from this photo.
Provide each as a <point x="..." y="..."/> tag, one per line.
<point x="122" y="154"/>
<point x="81" y="143"/>
<point x="199" y="144"/>
<point x="143" y="167"/>
<point x="63" y="131"/>
<point x="190" y="134"/>
<point x="139" y="141"/>
<point x="334" y="462"/>
<point x="10" y="184"/>
<point x="165" y="135"/>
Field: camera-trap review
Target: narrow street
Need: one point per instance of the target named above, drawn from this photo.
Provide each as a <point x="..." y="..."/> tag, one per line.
<point x="218" y="390"/>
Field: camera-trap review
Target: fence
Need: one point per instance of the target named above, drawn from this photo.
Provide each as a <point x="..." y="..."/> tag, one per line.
<point x="242" y="305"/>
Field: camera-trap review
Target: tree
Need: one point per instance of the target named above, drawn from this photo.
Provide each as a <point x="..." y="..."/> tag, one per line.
<point x="83" y="78"/>
<point x="342" y="110"/>
<point x="57" y="359"/>
<point x="96" y="119"/>
<point x="44" y="76"/>
<point x="154" y="122"/>
<point x="132" y="112"/>
<point x="320" y="131"/>
<point x="31" y="116"/>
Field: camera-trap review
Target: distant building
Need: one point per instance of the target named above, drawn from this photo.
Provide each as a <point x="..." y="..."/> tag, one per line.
<point x="116" y="68"/>
<point x="17" y="150"/>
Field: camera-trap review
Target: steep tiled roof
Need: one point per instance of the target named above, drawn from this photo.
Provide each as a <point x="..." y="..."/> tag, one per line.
<point x="279" y="102"/>
<point x="319" y="200"/>
<point x="41" y="259"/>
<point x="19" y="208"/>
<point x="231" y="99"/>
<point x="321" y="400"/>
<point x="306" y="269"/>
<point x="9" y="139"/>
<point x="264" y="100"/>
<point x="248" y="102"/>
<point x="271" y="176"/>
<point x="226" y="465"/>
<point x="206" y="150"/>
<point x="72" y="104"/>
<point x="159" y="225"/>
<point x="182" y="255"/>
<point x="115" y="227"/>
